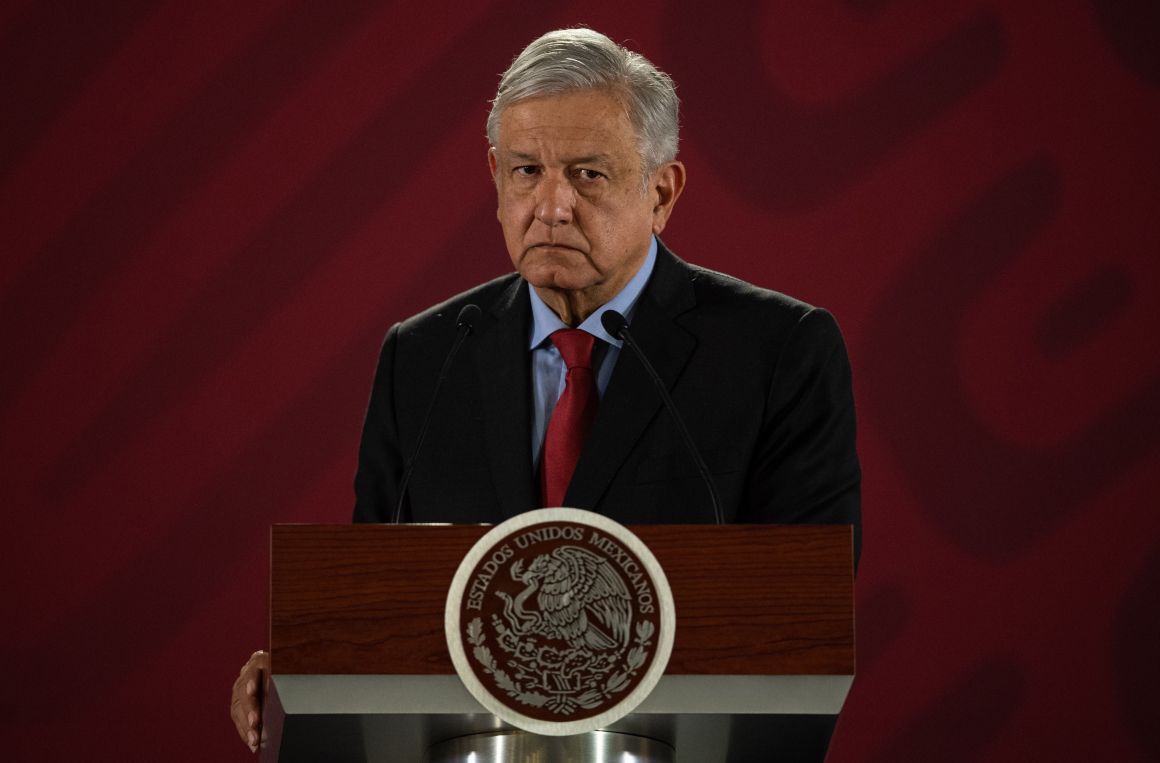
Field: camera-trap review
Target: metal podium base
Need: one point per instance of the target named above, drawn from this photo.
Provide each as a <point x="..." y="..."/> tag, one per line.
<point x="408" y="719"/>
<point x="522" y="747"/>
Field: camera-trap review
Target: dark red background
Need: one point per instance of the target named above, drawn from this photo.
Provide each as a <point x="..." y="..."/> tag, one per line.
<point x="211" y="212"/>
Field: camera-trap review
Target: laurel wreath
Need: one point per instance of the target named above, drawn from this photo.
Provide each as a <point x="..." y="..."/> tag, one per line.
<point x="476" y="638"/>
<point x="615" y="684"/>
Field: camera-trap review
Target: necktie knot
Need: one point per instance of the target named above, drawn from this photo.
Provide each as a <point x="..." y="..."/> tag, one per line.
<point x="575" y="347"/>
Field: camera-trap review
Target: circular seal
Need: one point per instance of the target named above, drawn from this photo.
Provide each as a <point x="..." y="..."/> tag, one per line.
<point x="560" y="621"/>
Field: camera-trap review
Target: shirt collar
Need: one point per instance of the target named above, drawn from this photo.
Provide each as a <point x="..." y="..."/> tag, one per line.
<point x="545" y="321"/>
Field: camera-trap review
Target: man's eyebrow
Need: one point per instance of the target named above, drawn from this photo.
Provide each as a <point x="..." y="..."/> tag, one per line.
<point x="590" y="159"/>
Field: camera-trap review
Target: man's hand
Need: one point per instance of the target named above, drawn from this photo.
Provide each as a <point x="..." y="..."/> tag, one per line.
<point x="246" y="703"/>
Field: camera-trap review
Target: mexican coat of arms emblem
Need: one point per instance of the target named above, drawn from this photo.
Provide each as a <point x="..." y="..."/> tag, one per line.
<point x="560" y="621"/>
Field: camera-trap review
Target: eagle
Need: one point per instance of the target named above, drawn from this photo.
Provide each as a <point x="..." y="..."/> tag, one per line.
<point x="580" y="598"/>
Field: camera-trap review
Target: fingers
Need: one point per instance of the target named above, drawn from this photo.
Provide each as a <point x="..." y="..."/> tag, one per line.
<point x="246" y="698"/>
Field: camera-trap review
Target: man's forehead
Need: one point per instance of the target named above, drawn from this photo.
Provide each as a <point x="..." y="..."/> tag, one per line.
<point x="519" y="133"/>
<point x="568" y="115"/>
<point x="566" y="144"/>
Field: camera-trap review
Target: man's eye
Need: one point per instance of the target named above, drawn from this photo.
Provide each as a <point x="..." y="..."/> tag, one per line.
<point x="585" y="174"/>
<point x="527" y="170"/>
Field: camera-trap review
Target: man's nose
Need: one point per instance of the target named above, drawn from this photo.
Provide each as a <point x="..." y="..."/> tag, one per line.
<point x="556" y="198"/>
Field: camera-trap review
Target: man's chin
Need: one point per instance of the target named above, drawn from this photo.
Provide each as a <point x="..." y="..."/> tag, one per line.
<point x="554" y="280"/>
<point x="557" y="273"/>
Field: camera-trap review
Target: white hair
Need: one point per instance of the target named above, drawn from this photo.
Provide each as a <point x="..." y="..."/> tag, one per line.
<point x="568" y="60"/>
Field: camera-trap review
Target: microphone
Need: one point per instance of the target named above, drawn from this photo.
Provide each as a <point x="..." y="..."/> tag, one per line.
<point x="616" y="324"/>
<point x="464" y="325"/>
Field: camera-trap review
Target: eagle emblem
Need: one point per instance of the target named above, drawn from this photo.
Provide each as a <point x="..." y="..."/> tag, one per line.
<point x="580" y="600"/>
<point x="556" y="621"/>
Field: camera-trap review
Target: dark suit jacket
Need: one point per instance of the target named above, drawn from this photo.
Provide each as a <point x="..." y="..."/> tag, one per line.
<point x="762" y="379"/>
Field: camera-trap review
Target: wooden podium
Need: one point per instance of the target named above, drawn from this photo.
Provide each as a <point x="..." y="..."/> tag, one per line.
<point x="361" y="671"/>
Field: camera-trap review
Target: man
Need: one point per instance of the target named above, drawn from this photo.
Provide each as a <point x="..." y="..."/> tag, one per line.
<point x="583" y="143"/>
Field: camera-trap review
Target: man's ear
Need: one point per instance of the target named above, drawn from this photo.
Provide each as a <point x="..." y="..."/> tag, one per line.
<point x="492" y="163"/>
<point x="667" y="183"/>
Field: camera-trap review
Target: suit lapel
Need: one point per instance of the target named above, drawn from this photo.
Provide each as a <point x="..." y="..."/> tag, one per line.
<point x="501" y="357"/>
<point x="631" y="401"/>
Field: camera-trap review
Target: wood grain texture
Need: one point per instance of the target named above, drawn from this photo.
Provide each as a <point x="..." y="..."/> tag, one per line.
<point x="750" y="599"/>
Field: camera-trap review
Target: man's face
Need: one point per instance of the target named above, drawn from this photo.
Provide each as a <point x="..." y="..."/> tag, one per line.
<point x="575" y="218"/>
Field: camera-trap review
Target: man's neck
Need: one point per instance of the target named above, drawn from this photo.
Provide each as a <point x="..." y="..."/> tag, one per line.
<point x="572" y="307"/>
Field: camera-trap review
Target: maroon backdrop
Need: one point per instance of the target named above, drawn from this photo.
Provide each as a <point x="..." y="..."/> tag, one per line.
<point x="211" y="213"/>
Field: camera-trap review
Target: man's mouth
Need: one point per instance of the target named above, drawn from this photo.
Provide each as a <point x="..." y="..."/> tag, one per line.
<point x="549" y="245"/>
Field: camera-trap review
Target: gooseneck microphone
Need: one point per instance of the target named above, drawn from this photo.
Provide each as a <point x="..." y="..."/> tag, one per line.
<point x="464" y="325"/>
<point x="616" y="324"/>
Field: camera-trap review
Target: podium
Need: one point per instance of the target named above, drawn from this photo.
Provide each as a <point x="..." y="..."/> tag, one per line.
<point x="361" y="670"/>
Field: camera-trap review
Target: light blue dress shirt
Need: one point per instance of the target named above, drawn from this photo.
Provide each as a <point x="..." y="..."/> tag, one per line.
<point x="548" y="369"/>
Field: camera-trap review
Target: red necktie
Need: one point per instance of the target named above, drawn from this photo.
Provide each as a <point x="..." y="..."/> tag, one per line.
<point x="572" y="417"/>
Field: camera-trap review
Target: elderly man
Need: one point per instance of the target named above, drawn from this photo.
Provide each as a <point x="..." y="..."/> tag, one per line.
<point x="583" y="143"/>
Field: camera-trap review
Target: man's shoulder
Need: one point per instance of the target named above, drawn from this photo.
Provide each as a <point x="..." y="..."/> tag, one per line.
<point x="727" y="296"/>
<point x="495" y="294"/>
<point x="714" y="287"/>
<point x="733" y="313"/>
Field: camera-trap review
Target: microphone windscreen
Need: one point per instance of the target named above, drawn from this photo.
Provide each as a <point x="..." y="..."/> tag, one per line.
<point x="613" y="322"/>
<point x="468" y="316"/>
